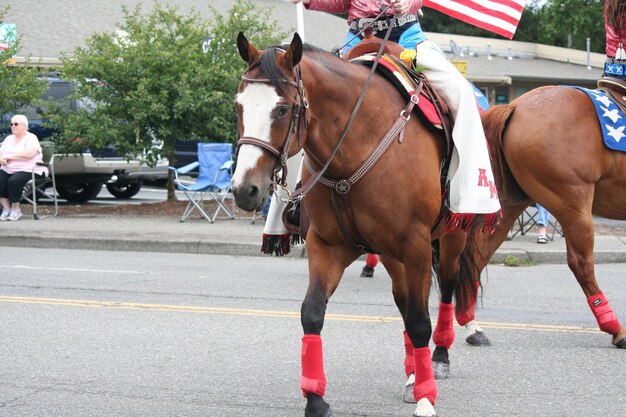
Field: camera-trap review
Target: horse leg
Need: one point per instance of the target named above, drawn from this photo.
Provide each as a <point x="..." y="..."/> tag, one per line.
<point x="326" y="267"/>
<point x="483" y="247"/>
<point x="581" y="263"/>
<point x="418" y="326"/>
<point x="451" y="247"/>
<point x="395" y="270"/>
<point x="420" y="386"/>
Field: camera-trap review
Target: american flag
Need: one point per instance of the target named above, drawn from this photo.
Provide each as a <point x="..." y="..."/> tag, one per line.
<point x="498" y="16"/>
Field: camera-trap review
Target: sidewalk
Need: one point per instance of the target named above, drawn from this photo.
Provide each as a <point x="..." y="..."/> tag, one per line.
<point x="226" y="237"/>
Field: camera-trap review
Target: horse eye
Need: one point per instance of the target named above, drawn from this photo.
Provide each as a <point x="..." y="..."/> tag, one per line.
<point x="282" y="112"/>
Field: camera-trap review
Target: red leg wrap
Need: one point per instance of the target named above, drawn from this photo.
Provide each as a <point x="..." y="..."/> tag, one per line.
<point x="444" y="331"/>
<point x="604" y="313"/>
<point x="313" y="378"/>
<point x="468" y="315"/>
<point x="425" y="385"/>
<point x="371" y="260"/>
<point x="409" y="364"/>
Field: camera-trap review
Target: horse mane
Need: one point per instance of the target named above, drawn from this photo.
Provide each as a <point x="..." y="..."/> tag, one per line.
<point x="268" y="66"/>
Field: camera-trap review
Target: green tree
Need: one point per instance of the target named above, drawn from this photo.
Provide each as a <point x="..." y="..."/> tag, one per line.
<point x="162" y="75"/>
<point x="568" y="23"/>
<point x="19" y="85"/>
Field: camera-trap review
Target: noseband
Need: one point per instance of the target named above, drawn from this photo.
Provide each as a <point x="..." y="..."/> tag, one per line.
<point x="298" y="114"/>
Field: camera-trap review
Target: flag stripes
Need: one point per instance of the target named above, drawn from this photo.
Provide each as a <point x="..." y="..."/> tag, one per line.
<point x="498" y="16"/>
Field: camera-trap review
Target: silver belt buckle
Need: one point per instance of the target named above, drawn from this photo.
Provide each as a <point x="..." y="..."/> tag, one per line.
<point x="363" y="23"/>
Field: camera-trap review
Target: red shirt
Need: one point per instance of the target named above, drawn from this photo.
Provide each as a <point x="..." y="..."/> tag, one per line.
<point x="359" y="9"/>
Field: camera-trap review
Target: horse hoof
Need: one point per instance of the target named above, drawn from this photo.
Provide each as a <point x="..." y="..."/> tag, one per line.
<point x="424" y="409"/>
<point x="408" y="397"/>
<point x="317" y="407"/>
<point x="367" y="272"/>
<point x="478" y="339"/>
<point x="620" y="344"/>
<point x="441" y="370"/>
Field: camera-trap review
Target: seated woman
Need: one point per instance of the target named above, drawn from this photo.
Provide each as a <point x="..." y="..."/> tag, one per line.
<point x="19" y="154"/>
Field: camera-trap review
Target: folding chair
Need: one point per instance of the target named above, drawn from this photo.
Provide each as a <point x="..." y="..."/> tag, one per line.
<point x="528" y="219"/>
<point x="37" y="187"/>
<point x="215" y="164"/>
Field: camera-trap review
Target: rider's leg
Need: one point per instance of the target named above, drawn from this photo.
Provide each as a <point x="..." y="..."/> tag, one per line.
<point x="472" y="188"/>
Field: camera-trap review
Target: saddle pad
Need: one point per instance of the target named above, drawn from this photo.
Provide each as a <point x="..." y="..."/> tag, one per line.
<point x="424" y="104"/>
<point x="610" y="118"/>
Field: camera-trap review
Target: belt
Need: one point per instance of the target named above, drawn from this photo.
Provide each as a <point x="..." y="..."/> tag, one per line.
<point x="382" y="24"/>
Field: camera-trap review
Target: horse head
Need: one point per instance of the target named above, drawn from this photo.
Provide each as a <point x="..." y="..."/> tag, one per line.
<point x="271" y="106"/>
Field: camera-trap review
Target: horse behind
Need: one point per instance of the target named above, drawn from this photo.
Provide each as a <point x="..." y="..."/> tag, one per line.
<point x="547" y="148"/>
<point x="300" y="97"/>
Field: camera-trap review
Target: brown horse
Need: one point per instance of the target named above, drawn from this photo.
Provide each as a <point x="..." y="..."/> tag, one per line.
<point x="301" y="97"/>
<point x="547" y="148"/>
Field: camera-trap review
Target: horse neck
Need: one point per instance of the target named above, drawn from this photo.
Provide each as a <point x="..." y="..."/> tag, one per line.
<point x="333" y="87"/>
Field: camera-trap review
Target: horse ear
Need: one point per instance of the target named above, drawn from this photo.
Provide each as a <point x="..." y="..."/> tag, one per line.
<point x="294" y="52"/>
<point x="247" y="51"/>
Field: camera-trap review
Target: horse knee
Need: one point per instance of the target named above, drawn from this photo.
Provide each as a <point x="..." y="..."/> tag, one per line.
<point x="312" y="313"/>
<point x="419" y="332"/>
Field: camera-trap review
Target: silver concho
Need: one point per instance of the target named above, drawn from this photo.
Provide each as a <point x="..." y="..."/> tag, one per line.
<point x="342" y="187"/>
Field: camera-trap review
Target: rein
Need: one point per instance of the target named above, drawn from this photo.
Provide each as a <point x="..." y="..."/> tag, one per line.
<point x="300" y="193"/>
<point x="298" y="108"/>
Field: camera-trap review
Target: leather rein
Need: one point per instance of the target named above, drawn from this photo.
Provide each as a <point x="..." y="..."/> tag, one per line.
<point x="298" y="112"/>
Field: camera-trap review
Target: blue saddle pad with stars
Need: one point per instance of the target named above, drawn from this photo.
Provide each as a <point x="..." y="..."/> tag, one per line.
<point x="610" y="117"/>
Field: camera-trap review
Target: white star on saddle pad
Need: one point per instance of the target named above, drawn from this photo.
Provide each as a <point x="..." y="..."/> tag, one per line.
<point x="616" y="134"/>
<point x="603" y="99"/>
<point x="612" y="114"/>
<point x="610" y="118"/>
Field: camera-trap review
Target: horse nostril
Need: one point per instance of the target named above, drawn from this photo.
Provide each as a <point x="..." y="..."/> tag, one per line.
<point x="254" y="192"/>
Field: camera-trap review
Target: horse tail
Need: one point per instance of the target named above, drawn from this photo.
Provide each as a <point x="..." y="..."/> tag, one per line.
<point x="465" y="291"/>
<point x="495" y="123"/>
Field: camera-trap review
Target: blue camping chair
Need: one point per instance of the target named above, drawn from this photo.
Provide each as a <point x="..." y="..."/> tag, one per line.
<point x="215" y="162"/>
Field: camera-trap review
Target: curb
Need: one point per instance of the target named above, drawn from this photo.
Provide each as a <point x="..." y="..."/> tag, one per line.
<point x="556" y="257"/>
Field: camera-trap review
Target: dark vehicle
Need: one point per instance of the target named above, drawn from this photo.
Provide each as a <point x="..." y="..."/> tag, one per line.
<point x="80" y="176"/>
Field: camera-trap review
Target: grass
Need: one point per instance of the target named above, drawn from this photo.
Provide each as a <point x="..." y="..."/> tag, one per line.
<point x="511" y="260"/>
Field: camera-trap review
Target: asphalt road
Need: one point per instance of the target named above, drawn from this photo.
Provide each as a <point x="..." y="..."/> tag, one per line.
<point x="146" y="334"/>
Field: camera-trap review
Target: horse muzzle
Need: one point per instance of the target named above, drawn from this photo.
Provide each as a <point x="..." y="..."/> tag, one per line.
<point x="248" y="196"/>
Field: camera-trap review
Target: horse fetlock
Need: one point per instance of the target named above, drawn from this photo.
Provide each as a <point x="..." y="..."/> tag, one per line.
<point x="424" y="409"/>
<point x="316" y="406"/>
<point x="475" y="335"/>
<point x="440" y="354"/>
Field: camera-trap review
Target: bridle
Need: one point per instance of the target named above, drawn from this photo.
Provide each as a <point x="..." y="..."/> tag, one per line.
<point x="298" y="115"/>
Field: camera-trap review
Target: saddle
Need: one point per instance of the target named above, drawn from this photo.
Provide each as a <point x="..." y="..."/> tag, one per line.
<point x="432" y="109"/>
<point x="615" y="89"/>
